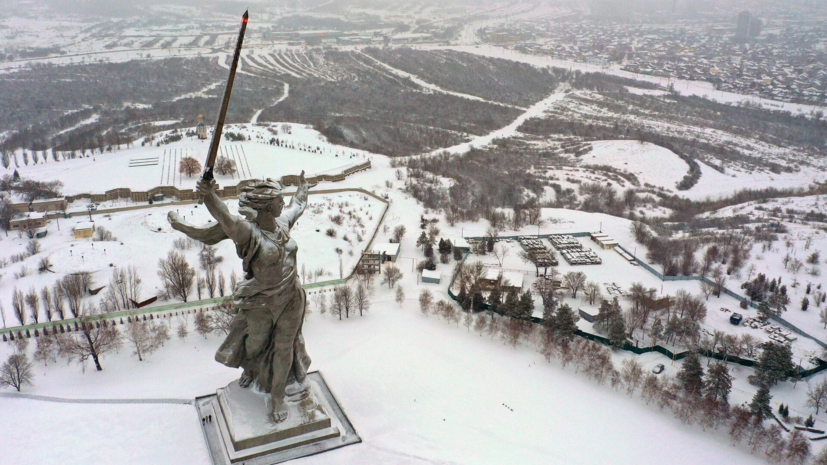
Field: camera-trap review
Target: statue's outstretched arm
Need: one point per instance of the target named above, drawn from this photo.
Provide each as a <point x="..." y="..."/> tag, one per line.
<point x="299" y="202"/>
<point x="235" y="227"/>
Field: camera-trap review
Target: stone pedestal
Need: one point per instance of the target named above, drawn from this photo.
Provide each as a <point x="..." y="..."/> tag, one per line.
<point x="243" y="430"/>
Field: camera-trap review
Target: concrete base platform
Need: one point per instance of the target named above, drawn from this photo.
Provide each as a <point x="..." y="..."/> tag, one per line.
<point x="242" y="430"/>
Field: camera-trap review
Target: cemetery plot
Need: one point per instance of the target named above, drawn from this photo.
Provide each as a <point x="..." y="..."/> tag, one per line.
<point x="573" y="251"/>
<point x="540" y="255"/>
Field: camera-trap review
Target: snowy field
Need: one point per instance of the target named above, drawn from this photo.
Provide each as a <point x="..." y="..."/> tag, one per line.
<point x="145" y="236"/>
<point x="417" y="389"/>
<point x="652" y="164"/>
<point x="158" y="166"/>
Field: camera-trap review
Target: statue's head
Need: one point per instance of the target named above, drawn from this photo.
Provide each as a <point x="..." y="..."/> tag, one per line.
<point x="261" y="196"/>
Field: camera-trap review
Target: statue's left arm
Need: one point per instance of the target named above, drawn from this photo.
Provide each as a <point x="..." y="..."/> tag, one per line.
<point x="297" y="205"/>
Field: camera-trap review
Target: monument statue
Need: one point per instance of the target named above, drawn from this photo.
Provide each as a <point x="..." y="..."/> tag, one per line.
<point x="265" y="338"/>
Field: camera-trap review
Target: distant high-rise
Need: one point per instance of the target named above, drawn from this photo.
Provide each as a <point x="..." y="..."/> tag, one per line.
<point x="742" y="30"/>
<point x="748" y="26"/>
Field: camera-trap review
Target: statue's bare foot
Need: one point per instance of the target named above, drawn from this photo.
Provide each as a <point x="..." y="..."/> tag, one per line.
<point x="246" y="380"/>
<point x="279" y="411"/>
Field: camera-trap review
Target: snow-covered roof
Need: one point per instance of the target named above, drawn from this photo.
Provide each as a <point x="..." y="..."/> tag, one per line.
<point x="30" y="216"/>
<point x="388" y="248"/>
<point x="53" y="199"/>
<point x="513" y="279"/>
<point x="457" y="241"/>
<point x="492" y="274"/>
<point x="432" y="274"/>
<point x="85" y="225"/>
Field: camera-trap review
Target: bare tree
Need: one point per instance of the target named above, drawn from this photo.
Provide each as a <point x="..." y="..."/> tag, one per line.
<point x="631" y="374"/>
<point x="182" y="329"/>
<point x="221" y="317"/>
<point x="189" y="166"/>
<point x="47" y="349"/>
<point x="501" y="251"/>
<point x="391" y="275"/>
<point x="95" y="338"/>
<point x="400" y="295"/>
<point x="342" y="301"/>
<point x="574" y="281"/>
<point x="720" y="279"/>
<point x="593" y="292"/>
<point x="399" y="233"/>
<point x="16" y="372"/>
<point x="361" y="297"/>
<point x="209" y="260"/>
<point x="57" y="300"/>
<point x="18" y="305"/>
<point x="224" y="166"/>
<point x="817" y="396"/>
<point x="177" y="274"/>
<point x="33" y="302"/>
<point x="46" y="298"/>
<point x="707" y="288"/>
<point x="145" y="337"/>
<point x="426" y="300"/>
<point x="73" y="287"/>
<point x="202" y="324"/>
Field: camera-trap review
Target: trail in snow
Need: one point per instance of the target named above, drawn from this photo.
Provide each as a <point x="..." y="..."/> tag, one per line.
<point x="434" y="87"/>
<point x="509" y="131"/>
<point x="284" y="95"/>
<point x="200" y="93"/>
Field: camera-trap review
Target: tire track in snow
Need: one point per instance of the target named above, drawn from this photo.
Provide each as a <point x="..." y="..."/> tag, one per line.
<point x="434" y="87"/>
<point x="63" y="400"/>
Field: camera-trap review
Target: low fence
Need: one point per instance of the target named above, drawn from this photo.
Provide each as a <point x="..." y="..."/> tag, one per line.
<point x="822" y="365"/>
<point x="190" y="194"/>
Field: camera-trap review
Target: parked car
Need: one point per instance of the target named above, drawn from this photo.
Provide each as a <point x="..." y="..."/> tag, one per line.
<point x="736" y="319"/>
<point x="658" y="369"/>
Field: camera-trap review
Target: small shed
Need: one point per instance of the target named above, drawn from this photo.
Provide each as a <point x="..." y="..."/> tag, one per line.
<point x="587" y="315"/>
<point x="513" y="281"/>
<point x="84" y="230"/>
<point x="491" y="278"/>
<point x="389" y="250"/>
<point x="459" y="243"/>
<point x="431" y="276"/>
<point x="28" y="221"/>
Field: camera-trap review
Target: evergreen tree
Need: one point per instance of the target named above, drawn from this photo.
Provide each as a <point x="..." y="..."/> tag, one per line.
<point x="764" y="310"/>
<point x="760" y="405"/>
<point x="495" y="299"/>
<point x="805" y="304"/>
<point x="478" y="302"/>
<point x="809" y="288"/>
<point x="565" y="323"/>
<point x="604" y="316"/>
<point x="457" y="254"/>
<point x="718" y="383"/>
<point x="489" y="246"/>
<point x="656" y="332"/>
<point x="617" y="331"/>
<point x="525" y="307"/>
<point x="809" y="422"/>
<point x="775" y="364"/>
<point x="509" y="307"/>
<point x="463" y="299"/>
<point x="429" y="250"/>
<point x="692" y="374"/>
<point x="422" y="240"/>
<point x="445" y="247"/>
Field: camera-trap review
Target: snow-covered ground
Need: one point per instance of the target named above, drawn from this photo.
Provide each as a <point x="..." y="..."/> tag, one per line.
<point x="137" y="230"/>
<point x="254" y="159"/>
